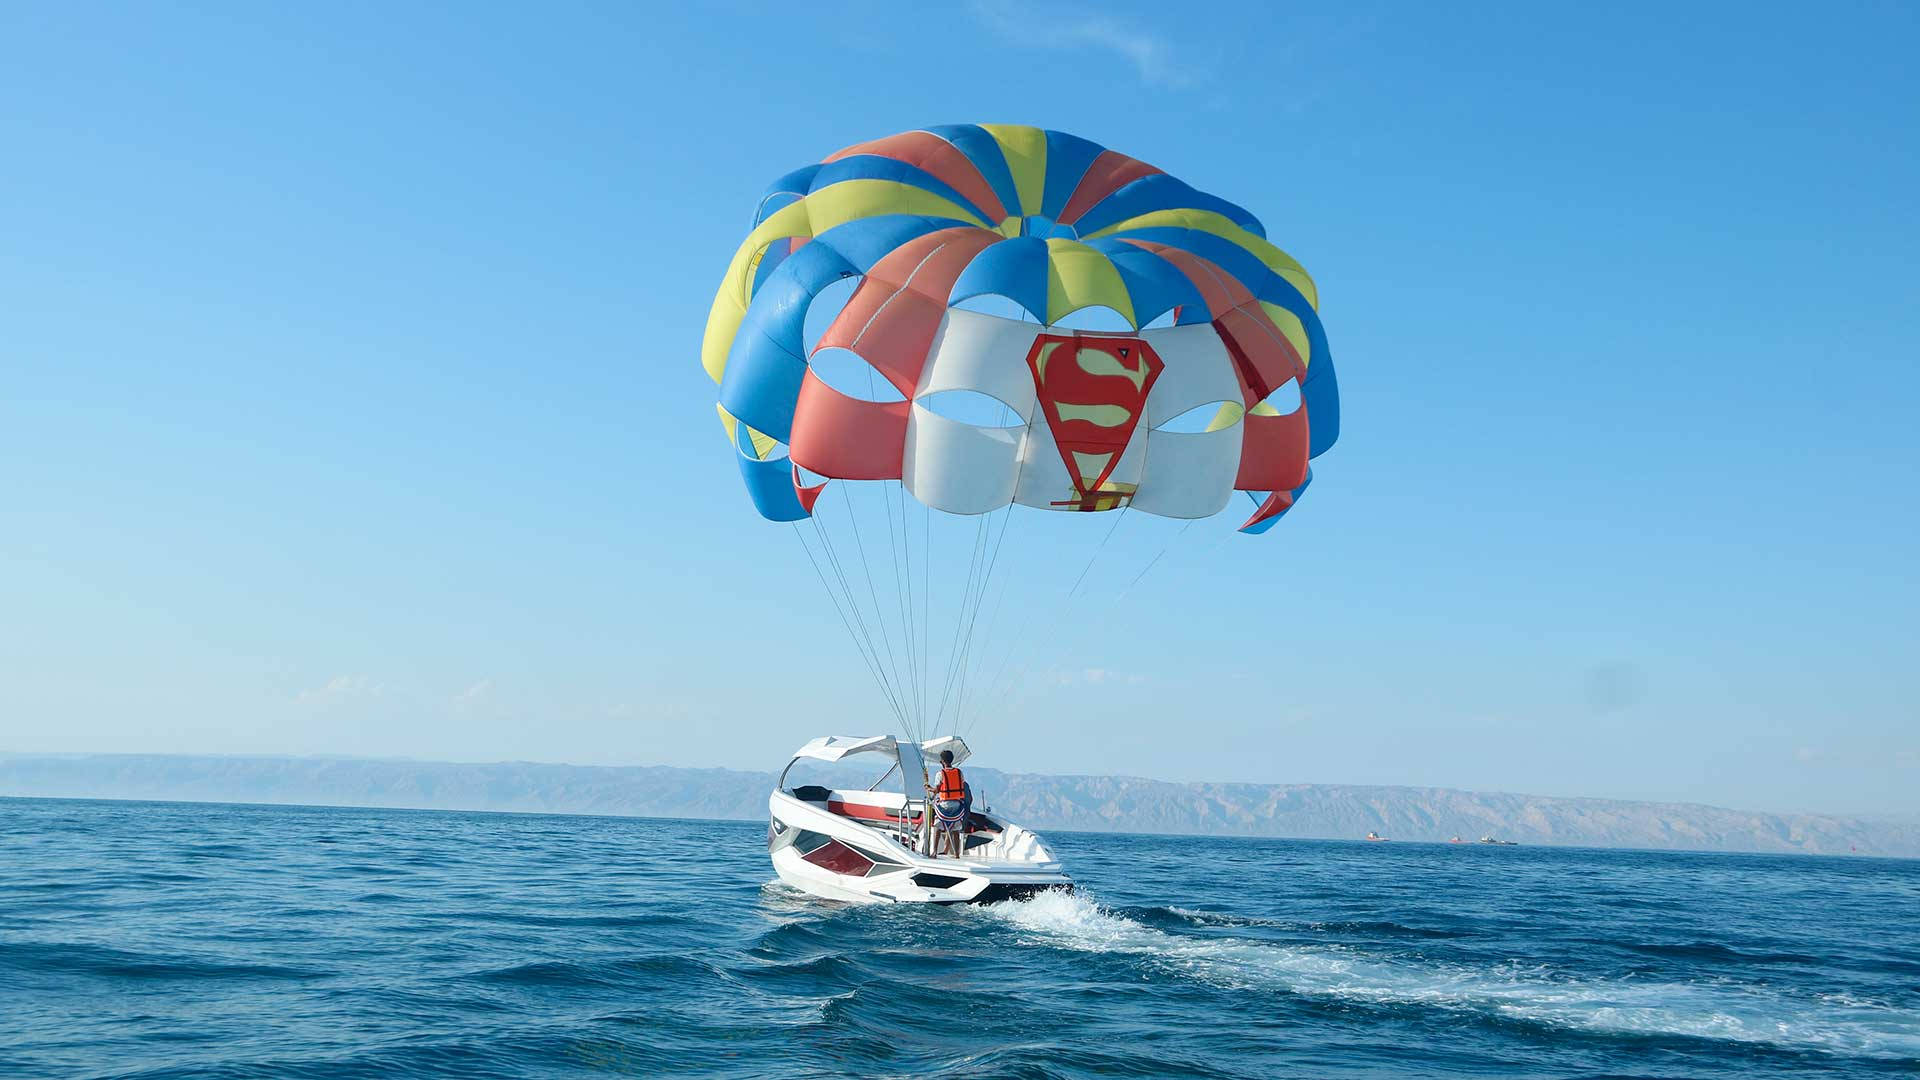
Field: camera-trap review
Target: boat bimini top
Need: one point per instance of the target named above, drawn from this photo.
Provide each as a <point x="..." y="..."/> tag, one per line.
<point x="907" y="755"/>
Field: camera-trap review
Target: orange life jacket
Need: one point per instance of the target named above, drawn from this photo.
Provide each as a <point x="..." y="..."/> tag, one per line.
<point x="951" y="785"/>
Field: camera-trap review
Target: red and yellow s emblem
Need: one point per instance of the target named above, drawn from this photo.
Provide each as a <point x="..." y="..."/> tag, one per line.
<point x="1093" y="391"/>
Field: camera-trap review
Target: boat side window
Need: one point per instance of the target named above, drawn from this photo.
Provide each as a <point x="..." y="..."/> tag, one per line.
<point x="810" y="780"/>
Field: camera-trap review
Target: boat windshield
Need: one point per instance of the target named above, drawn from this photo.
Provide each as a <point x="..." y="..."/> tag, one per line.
<point x="857" y="772"/>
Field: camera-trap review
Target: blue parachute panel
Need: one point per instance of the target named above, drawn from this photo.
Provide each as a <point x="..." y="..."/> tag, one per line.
<point x="770" y="485"/>
<point x="1015" y="269"/>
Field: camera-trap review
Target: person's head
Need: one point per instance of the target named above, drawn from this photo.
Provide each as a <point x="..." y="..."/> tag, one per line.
<point x="946" y="757"/>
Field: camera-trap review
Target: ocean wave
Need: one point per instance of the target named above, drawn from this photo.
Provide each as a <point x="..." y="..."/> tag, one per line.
<point x="113" y="963"/>
<point x="1712" y="952"/>
<point x="1049" y="1059"/>
<point x="544" y="947"/>
<point x="518" y="918"/>
<point x="1173" y="915"/>
<point x="615" y="973"/>
<point x="1532" y="994"/>
<point x="825" y="968"/>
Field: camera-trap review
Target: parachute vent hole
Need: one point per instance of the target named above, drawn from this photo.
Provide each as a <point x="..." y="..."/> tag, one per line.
<point x="996" y="305"/>
<point x="1284" y="399"/>
<point x="766" y="261"/>
<point x="757" y="445"/>
<point x="826" y="306"/>
<point x="1096" y="318"/>
<point x="1213" y="416"/>
<point x="849" y="373"/>
<point x="973" y="408"/>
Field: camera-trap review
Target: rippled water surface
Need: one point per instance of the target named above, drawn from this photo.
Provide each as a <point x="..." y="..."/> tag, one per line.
<point x="176" y="940"/>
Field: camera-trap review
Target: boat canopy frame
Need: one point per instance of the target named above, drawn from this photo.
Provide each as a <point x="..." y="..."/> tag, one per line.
<point x="909" y="757"/>
<point x="835" y="747"/>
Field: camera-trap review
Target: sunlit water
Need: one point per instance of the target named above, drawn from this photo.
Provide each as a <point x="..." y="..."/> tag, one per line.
<point x="172" y="940"/>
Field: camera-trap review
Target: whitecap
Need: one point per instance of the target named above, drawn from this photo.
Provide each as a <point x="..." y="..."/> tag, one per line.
<point x="1717" y="1010"/>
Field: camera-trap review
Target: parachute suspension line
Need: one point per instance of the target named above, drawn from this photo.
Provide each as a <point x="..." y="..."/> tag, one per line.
<point x="1151" y="563"/>
<point x="906" y="560"/>
<point x="956" y="646"/>
<point x="859" y="619"/>
<point x="1118" y="518"/>
<point x="966" y="654"/>
<point x="926" y="597"/>
<point x="873" y="593"/>
<point x="903" y="594"/>
<point x="962" y="722"/>
<point x="993" y="624"/>
<point x="839" y="570"/>
<point x="986" y="579"/>
<point x="840" y="575"/>
<point x="993" y="693"/>
<point x="1107" y="611"/>
<point x="972" y="621"/>
<point x="894" y="548"/>
<point x="974" y="561"/>
<point x="1005" y="692"/>
<point x="844" y="621"/>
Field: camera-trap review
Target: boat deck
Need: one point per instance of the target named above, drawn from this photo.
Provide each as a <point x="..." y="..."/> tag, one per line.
<point x="980" y="830"/>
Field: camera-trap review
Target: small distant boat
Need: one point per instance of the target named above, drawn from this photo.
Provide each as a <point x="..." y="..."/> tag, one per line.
<point x="1501" y="843"/>
<point x="1455" y="840"/>
<point x="1377" y="838"/>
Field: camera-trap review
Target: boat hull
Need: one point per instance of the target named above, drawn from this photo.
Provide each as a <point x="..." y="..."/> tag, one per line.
<point x="835" y="857"/>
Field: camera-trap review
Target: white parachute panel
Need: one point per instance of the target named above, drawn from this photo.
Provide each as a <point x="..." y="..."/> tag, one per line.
<point x="1189" y="474"/>
<point x="958" y="467"/>
<point x="1197" y="370"/>
<point x="985" y="354"/>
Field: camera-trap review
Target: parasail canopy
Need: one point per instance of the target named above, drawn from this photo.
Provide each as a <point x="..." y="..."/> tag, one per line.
<point x="979" y="317"/>
<point x="1212" y="320"/>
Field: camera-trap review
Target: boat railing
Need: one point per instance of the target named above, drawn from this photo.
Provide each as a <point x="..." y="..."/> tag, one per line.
<point x="903" y="827"/>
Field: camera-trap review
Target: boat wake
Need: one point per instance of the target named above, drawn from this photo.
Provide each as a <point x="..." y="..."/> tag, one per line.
<point x="1532" y="994"/>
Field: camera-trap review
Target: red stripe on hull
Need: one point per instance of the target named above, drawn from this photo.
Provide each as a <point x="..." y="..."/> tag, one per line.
<point x="839" y="858"/>
<point x="864" y="812"/>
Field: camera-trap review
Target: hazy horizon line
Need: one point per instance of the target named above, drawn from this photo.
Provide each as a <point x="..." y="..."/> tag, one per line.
<point x="1892" y="816"/>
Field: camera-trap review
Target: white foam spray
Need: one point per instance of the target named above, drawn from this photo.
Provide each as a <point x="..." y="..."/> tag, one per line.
<point x="1532" y="993"/>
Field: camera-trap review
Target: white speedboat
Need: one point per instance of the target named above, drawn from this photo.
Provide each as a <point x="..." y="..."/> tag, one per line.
<point x="868" y="845"/>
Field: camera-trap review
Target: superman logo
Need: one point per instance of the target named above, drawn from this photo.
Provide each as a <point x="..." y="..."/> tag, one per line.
<point x="1093" y="392"/>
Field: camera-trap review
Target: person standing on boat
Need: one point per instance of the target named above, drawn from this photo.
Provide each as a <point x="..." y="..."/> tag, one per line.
<point x="949" y="807"/>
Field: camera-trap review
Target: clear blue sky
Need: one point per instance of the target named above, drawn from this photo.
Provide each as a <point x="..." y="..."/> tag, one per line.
<point x="349" y="395"/>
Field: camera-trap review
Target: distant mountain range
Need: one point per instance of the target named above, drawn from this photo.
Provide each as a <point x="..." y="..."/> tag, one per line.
<point x="1090" y="803"/>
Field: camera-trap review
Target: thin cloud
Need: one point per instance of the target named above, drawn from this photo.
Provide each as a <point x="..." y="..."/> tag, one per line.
<point x="473" y="698"/>
<point x="1045" y="26"/>
<point x="341" y="688"/>
<point x="474" y="694"/>
<point x="1094" y="676"/>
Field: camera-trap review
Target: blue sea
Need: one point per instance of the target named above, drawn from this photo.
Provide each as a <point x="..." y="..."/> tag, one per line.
<point x="186" y="940"/>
